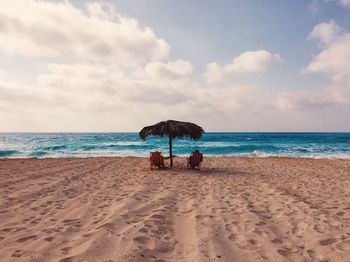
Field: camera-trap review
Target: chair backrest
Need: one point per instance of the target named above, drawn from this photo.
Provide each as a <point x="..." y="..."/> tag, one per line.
<point x="156" y="157"/>
<point x="196" y="158"/>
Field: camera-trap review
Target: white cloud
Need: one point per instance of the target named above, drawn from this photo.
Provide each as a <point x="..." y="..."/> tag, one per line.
<point x="58" y="29"/>
<point x="303" y="100"/>
<point x="2" y="73"/>
<point x="92" y="88"/>
<point x="247" y="62"/>
<point x="88" y="93"/>
<point x="252" y="62"/>
<point x="334" y="58"/>
<point x="316" y="4"/>
<point x="345" y="3"/>
<point x="99" y="98"/>
<point x="333" y="61"/>
<point x="214" y="73"/>
<point x="314" y="7"/>
<point x="325" y="32"/>
<point x="171" y="70"/>
<point x="84" y="85"/>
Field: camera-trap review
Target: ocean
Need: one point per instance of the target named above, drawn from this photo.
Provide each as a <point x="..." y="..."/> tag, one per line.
<point x="43" y="145"/>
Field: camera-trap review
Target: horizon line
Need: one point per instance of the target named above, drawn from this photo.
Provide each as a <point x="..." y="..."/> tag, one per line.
<point x="116" y="132"/>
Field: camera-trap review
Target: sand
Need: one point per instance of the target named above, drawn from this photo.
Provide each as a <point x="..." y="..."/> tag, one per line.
<point x="116" y="209"/>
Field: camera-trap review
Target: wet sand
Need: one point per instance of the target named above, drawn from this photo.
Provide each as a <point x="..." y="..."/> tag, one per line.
<point x="116" y="209"/>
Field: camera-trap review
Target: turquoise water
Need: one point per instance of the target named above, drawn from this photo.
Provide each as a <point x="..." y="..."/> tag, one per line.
<point x="317" y="145"/>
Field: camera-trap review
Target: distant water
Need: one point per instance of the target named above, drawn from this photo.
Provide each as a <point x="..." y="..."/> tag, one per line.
<point x="42" y="145"/>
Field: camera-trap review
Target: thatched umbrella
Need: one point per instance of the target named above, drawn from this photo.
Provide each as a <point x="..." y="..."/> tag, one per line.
<point x="172" y="129"/>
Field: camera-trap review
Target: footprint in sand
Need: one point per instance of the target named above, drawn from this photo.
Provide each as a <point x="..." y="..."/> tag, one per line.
<point x="158" y="217"/>
<point x="252" y="241"/>
<point x="148" y="242"/>
<point x="65" y="250"/>
<point x="164" y="247"/>
<point x="160" y="260"/>
<point x="17" y="229"/>
<point x="48" y="239"/>
<point x="66" y="259"/>
<point x="283" y="252"/>
<point x="143" y="230"/>
<point x="277" y="241"/>
<point x="35" y="221"/>
<point x="17" y="253"/>
<point x="319" y="229"/>
<point x="231" y="237"/>
<point x="311" y="253"/>
<point x="327" y="241"/>
<point x="135" y="220"/>
<point x="167" y="238"/>
<point x="70" y="221"/>
<point x="187" y="211"/>
<point x="23" y="239"/>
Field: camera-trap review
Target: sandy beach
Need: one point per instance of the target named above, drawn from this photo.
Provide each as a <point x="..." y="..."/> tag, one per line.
<point x="116" y="209"/>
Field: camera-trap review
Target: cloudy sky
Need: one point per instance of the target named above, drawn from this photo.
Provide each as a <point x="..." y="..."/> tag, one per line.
<point x="228" y="65"/>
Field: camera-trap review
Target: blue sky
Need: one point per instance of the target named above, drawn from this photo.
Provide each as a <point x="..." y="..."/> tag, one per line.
<point x="230" y="65"/>
<point x="218" y="30"/>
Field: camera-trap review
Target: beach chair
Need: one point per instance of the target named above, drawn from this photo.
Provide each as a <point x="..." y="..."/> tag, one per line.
<point x="195" y="160"/>
<point x="156" y="160"/>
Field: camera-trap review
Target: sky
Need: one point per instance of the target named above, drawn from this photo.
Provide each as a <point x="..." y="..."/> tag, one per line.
<point x="227" y="65"/>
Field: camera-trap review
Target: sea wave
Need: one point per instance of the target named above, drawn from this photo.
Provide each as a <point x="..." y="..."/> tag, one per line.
<point x="219" y="144"/>
<point x="266" y="154"/>
<point x="115" y="147"/>
<point x="7" y="153"/>
<point x="38" y="154"/>
<point x="318" y="145"/>
<point x="239" y="149"/>
<point x="53" y="147"/>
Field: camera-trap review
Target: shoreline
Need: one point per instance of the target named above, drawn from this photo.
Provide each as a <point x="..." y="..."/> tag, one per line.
<point x="179" y="157"/>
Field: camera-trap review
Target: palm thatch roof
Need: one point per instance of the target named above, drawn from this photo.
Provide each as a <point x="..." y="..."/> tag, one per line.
<point x="173" y="129"/>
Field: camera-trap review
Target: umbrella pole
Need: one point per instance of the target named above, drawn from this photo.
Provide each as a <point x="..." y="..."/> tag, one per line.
<point x="171" y="151"/>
